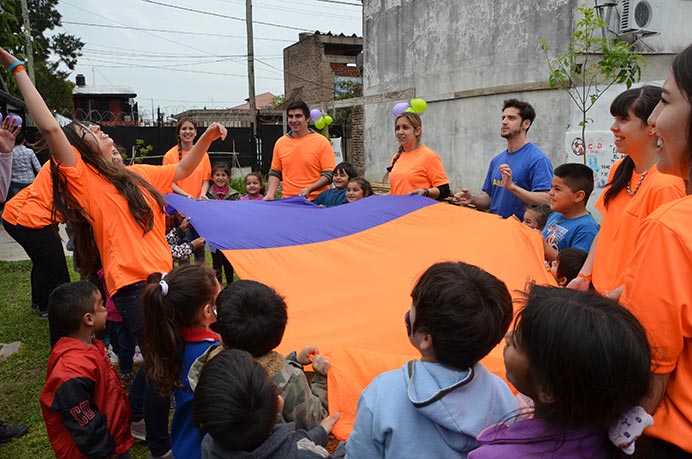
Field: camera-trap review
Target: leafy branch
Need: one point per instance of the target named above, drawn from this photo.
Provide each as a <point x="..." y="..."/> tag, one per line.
<point x="590" y="65"/>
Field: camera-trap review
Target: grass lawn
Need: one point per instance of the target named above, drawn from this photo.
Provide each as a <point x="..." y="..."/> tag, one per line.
<point x="22" y="375"/>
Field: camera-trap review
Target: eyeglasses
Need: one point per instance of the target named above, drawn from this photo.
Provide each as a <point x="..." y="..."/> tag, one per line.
<point x="86" y="129"/>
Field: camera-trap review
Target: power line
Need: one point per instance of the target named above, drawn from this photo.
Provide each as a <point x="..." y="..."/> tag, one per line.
<point x="121" y="65"/>
<point x="317" y="83"/>
<point x="184" y="45"/>
<point x="340" y="3"/>
<point x="296" y="10"/>
<point x="177" y="32"/>
<point x="235" y="18"/>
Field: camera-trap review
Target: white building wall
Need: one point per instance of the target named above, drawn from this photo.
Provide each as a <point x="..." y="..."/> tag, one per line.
<point x="446" y="50"/>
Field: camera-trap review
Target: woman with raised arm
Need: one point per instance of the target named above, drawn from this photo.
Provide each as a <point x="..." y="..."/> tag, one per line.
<point x="118" y="215"/>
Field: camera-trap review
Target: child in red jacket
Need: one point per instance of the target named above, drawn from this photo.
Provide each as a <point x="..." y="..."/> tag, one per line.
<point x="86" y="411"/>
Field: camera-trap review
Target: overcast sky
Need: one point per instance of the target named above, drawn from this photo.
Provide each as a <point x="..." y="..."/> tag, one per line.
<point x="194" y="60"/>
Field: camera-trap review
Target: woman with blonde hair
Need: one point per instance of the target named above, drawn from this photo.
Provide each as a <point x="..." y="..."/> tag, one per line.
<point x="415" y="168"/>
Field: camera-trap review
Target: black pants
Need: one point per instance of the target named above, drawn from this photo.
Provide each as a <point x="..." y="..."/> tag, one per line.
<point x="49" y="268"/>
<point x="221" y="264"/>
<point x="653" y="448"/>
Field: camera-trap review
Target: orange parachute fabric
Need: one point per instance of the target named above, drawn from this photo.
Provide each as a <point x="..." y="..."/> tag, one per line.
<point x="347" y="272"/>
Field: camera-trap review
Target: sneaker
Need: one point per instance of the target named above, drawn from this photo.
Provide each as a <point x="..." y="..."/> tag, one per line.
<point x="112" y="356"/>
<point x="168" y="455"/>
<point x="127" y="378"/>
<point x="43" y="315"/>
<point x="139" y="430"/>
<point x="137" y="358"/>
<point x="9" y="432"/>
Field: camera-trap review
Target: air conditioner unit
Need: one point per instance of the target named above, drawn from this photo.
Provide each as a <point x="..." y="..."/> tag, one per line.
<point x="641" y="17"/>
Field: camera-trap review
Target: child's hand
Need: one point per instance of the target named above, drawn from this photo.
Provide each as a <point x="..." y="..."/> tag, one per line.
<point x="321" y="365"/>
<point x="198" y="243"/>
<point x="185" y="225"/>
<point x="8" y="134"/>
<point x="328" y="422"/>
<point x="306" y="355"/>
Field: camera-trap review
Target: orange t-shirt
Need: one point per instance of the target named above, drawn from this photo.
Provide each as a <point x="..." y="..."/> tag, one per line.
<point x="301" y="161"/>
<point x="416" y="169"/>
<point x="31" y="207"/>
<point x="621" y="221"/>
<point x="192" y="184"/>
<point x="658" y="291"/>
<point x="128" y="254"/>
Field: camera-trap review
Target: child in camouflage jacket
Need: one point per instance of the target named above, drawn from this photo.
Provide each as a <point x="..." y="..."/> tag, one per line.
<point x="252" y="316"/>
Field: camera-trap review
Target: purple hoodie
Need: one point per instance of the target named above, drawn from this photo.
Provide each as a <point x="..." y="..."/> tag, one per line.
<point x="535" y="438"/>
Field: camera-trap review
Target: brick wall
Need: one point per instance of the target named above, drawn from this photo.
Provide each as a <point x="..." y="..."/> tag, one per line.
<point x="356" y="145"/>
<point x="306" y="77"/>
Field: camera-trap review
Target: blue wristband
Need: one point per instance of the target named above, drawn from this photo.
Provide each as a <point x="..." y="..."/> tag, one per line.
<point x="14" y="65"/>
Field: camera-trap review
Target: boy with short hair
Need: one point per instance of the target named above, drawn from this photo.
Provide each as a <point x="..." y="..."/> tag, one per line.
<point x="252" y="316"/>
<point x="570" y="224"/>
<point x="437" y="406"/>
<point x="86" y="411"/>
<point x="236" y="404"/>
<point x="342" y="174"/>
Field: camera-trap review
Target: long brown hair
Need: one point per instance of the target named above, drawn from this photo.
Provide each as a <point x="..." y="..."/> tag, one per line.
<point x="178" y="127"/>
<point x="189" y="288"/>
<point x="130" y="185"/>
<point x="417" y="123"/>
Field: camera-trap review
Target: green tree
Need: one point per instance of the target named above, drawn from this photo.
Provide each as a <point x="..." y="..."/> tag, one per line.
<point x="591" y="64"/>
<point x="279" y="101"/>
<point x="142" y="149"/>
<point x="50" y="50"/>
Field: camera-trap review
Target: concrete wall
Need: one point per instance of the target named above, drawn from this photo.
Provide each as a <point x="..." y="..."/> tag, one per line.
<point x="465" y="58"/>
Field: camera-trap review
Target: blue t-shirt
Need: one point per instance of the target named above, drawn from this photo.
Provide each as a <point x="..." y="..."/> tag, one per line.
<point x="561" y="232"/>
<point x="331" y="197"/>
<point x="531" y="170"/>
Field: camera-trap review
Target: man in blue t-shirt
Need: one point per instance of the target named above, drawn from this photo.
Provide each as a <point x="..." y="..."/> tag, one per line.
<point x="519" y="176"/>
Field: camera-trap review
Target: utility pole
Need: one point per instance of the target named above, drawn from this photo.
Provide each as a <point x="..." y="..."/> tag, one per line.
<point x="29" y="45"/>
<point x="251" y="78"/>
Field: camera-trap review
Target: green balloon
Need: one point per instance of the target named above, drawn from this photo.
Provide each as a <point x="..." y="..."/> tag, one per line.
<point x="410" y="110"/>
<point x="328" y="119"/>
<point x="320" y="123"/>
<point x="419" y="105"/>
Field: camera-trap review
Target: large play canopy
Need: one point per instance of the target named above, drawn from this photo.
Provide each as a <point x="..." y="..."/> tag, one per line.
<point x="347" y="272"/>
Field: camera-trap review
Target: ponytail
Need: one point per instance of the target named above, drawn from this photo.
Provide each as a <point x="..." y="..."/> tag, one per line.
<point x="170" y="303"/>
<point x="622" y="176"/>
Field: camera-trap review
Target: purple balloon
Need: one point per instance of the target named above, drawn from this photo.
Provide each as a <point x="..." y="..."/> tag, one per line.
<point x="15" y="120"/>
<point x="315" y="114"/>
<point x="399" y="108"/>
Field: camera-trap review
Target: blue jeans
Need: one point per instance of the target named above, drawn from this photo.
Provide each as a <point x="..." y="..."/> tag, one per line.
<point x="125" y="344"/>
<point x="145" y="401"/>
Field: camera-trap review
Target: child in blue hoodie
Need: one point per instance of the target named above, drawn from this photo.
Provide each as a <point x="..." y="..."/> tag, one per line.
<point x="436" y="406"/>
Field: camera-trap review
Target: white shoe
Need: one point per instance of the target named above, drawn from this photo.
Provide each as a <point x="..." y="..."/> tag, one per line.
<point x="139" y="430"/>
<point x="137" y="358"/>
<point x="112" y="356"/>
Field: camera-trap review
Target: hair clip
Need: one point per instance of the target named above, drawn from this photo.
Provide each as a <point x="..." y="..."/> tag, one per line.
<point x="164" y="287"/>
